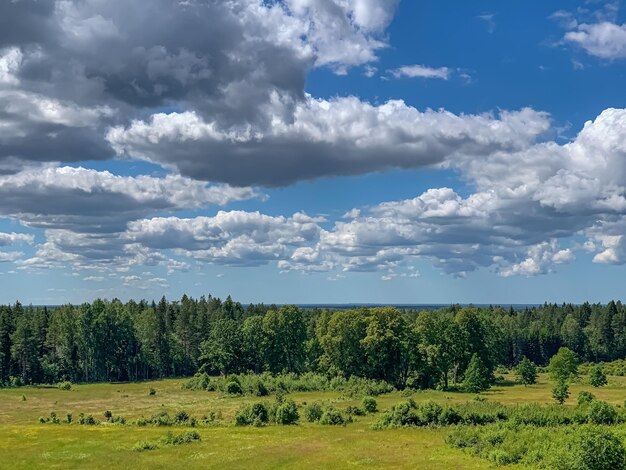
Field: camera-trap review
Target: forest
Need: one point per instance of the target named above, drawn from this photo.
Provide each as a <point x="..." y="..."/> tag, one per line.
<point x="115" y="341"/>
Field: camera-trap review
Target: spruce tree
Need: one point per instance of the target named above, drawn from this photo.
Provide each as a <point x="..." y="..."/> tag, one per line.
<point x="477" y="376"/>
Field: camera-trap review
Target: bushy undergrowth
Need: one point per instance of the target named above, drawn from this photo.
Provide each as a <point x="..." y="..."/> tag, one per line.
<point x="264" y="384"/>
<point x="181" y="418"/>
<point x="477" y="413"/>
<point x="617" y="367"/>
<point x="585" y="447"/>
<point x="64" y="385"/>
<point x="170" y="439"/>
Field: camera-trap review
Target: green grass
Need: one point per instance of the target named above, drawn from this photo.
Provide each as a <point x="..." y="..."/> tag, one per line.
<point x="26" y="444"/>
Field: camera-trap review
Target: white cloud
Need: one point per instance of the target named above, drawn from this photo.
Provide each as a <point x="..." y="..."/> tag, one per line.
<point x="605" y="40"/>
<point x="420" y="71"/>
<point x="13" y="238"/>
<point x="99" y="201"/>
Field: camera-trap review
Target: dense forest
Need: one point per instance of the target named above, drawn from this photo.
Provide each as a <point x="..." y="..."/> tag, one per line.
<point x="115" y="341"/>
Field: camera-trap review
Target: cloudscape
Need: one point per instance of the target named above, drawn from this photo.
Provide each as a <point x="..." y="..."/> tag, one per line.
<point x="312" y="151"/>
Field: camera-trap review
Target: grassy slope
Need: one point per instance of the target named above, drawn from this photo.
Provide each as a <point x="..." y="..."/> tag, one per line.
<point x="26" y="444"/>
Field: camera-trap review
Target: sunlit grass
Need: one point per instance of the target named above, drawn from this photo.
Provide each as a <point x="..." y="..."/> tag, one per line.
<point x="26" y="444"/>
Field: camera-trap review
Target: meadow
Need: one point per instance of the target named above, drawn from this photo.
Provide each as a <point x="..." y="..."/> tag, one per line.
<point x="25" y="443"/>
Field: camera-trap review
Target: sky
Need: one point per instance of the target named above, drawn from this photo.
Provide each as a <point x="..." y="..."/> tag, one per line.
<point x="313" y="151"/>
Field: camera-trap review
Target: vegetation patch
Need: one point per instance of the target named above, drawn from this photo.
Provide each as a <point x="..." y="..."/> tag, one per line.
<point x="170" y="439"/>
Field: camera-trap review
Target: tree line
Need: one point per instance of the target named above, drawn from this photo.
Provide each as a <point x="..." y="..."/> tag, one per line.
<point x="115" y="341"/>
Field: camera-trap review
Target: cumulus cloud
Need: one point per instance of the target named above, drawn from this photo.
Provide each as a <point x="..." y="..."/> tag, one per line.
<point x="342" y="136"/>
<point x="230" y="238"/>
<point x="13" y="238"/>
<point x="85" y="200"/>
<point x="605" y="40"/>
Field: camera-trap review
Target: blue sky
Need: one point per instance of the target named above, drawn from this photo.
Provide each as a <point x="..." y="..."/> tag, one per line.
<point x="313" y="151"/>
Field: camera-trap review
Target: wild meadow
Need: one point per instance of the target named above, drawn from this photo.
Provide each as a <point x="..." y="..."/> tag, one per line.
<point x="26" y="443"/>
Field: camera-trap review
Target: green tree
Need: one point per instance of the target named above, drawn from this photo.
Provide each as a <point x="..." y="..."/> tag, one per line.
<point x="222" y="351"/>
<point x="526" y="372"/>
<point x="597" y="377"/>
<point x="563" y="366"/>
<point x="560" y="392"/>
<point x="24" y="349"/>
<point x="285" y="334"/>
<point x="386" y="346"/>
<point x="477" y="376"/>
<point x="441" y="342"/>
<point x="253" y="343"/>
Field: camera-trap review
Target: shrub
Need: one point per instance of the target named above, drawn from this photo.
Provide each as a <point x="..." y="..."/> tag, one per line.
<point x="400" y="415"/>
<point x="313" y="412"/>
<point x="170" y="439"/>
<point x="255" y="414"/>
<point x="152" y="391"/>
<point x="597" y="378"/>
<point x="429" y="412"/>
<point x="108" y="415"/>
<point x="585" y="397"/>
<point x="449" y="416"/>
<point x="600" y="412"/>
<point x="200" y="381"/>
<point x="355" y="411"/>
<point x="259" y="389"/>
<point x="181" y="416"/>
<point x="286" y="413"/>
<point x="88" y="420"/>
<point x="560" y="392"/>
<point x="595" y="448"/>
<point x="234" y="388"/>
<point x="369" y="404"/>
<point x="145" y="445"/>
<point x="64" y="385"/>
<point x="185" y="437"/>
<point x="332" y="417"/>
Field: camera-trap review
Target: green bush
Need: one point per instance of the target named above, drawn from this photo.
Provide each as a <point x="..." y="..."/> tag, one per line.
<point x="313" y="412"/>
<point x="286" y="413"/>
<point x="597" y="378"/>
<point x="170" y="439"/>
<point x="369" y="404"/>
<point x="181" y="416"/>
<point x="64" y="385"/>
<point x="88" y="420"/>
<point x="332" y="416"/>
<point x="585" y="397"/>
<point x="355" y="411"/>
<point x="259" y="389"/>
<point x="594" y="448"/>
<point x="400" y="415"/>
<point x="185" y="437"/>
<point x="255" y="414"/>
<point x="429" y="412"/>
<point x="145" y="445"/>
<point x="234" y="388"/>
<point x="601" y="412"/>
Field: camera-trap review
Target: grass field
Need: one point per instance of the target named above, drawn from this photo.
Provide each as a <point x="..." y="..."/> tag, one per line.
<point x="26" y="444"/>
